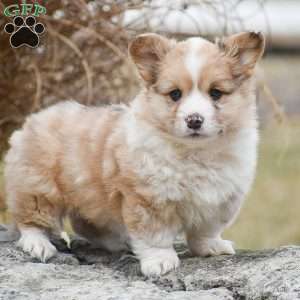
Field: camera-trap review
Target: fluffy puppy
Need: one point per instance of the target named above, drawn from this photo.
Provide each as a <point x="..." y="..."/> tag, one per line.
<point x="180" y="158"/>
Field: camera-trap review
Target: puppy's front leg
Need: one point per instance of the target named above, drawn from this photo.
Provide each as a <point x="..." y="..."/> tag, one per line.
<point x="155" y="259"/>
<point x="204" y="234"/>
<point x="202" y="245"/>
<point x="204" y="239"/>
<point x="152" y="234"/>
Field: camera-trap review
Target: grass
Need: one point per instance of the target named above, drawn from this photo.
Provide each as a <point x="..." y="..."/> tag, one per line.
<point x="270" y="215"/>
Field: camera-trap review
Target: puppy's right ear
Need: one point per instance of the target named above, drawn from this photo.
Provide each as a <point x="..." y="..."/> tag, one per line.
<point x="147" y="51"/>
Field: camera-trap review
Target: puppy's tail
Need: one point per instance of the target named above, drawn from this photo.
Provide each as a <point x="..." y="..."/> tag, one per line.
<point x="9" y="233"/>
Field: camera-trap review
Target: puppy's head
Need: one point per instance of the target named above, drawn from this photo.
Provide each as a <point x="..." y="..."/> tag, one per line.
<point x="196" y="89"/>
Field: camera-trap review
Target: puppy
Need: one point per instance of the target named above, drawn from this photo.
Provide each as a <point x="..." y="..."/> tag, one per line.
<point x="180" y="158"/>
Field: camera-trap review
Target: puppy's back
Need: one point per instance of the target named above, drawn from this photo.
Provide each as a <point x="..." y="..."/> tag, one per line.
<point x="54" y="148"/>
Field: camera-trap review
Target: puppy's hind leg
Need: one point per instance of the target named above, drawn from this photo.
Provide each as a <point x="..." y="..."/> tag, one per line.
<point x="36" y="218"/>
<point x="36" y="242"/>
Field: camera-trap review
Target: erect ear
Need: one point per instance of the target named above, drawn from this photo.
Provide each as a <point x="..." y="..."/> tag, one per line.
<point x="147" y="51"/>
<point x="245" y="49"/>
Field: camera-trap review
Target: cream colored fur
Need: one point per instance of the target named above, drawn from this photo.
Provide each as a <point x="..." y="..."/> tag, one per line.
<point x="134" y="175"/>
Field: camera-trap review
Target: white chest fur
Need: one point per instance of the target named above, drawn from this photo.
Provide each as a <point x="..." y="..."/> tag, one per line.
<point x="202" y="179"/>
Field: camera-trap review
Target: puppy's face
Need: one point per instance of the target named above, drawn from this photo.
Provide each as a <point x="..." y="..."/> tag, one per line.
<point x="196" y="89"/>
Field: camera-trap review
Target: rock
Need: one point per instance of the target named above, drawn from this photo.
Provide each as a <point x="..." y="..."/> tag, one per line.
<point x="93" y="274"/>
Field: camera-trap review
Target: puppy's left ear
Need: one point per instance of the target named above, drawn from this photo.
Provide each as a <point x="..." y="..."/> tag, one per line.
<point x="245" y="49"/>
<point x="147" y="52"/>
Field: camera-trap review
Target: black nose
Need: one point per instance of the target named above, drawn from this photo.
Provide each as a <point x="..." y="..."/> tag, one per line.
<point x="194" y="121"/>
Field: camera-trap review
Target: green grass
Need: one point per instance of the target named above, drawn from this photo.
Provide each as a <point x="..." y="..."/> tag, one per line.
<point x="270" y="216"/>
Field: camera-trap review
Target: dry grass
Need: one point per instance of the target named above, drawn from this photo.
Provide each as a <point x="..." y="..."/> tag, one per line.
<point x="3" y="215"/>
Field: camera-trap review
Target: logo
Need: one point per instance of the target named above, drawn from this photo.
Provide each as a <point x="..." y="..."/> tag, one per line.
<point x="24" y="29"/>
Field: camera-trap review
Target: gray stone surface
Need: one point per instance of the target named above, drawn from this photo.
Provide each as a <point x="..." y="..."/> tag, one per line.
<point x="93" y="274"/>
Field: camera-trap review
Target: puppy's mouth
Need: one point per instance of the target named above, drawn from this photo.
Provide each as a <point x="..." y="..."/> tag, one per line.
<point x="197" y="134"/>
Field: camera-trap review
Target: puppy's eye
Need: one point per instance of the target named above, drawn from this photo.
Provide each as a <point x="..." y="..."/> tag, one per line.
<point x="175" y="94"/>
<point x="215" y="94"/>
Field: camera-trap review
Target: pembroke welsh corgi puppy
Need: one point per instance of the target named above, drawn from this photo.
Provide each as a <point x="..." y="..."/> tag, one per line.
<point x="180" y="158"/>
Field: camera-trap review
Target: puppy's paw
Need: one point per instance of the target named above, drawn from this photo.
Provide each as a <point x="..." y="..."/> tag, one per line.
<point x="159" y="262"/>
<point x="34" y="242"/>
<point x="211" y="247"/>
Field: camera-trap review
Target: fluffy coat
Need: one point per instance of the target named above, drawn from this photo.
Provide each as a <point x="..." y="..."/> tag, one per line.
<point x="136" y="176"/>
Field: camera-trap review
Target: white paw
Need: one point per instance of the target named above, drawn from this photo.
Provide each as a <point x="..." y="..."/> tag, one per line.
<point x="159" y="262"/>
<point x="211" y="247"/>
<point x="34" y="242"/>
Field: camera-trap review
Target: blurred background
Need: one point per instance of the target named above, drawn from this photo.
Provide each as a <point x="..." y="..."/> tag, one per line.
<point x="83" y="56"/>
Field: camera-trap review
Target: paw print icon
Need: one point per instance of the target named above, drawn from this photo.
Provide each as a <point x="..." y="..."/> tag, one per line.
<point x="24" y="32"/>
